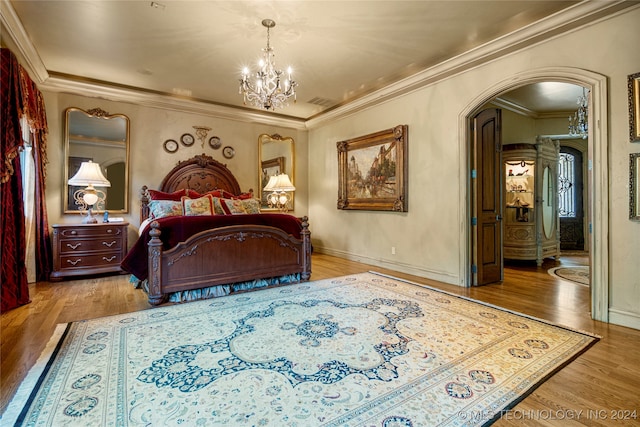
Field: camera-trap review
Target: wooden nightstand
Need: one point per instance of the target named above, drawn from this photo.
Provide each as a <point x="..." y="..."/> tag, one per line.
<point x="84" y="249"/>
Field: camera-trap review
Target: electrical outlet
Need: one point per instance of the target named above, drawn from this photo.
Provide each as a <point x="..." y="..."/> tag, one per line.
<point x="393" y="250"/>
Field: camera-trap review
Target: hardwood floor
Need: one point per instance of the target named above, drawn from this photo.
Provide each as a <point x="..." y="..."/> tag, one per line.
<point x="601" y="385"/>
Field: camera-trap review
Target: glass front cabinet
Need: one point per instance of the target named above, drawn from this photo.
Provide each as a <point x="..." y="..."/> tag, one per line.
<point x="531" y="201"/>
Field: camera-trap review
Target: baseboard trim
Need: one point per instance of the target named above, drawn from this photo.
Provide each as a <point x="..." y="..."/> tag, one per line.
<point x="440" y="276"/>
<point x="624" y="318"/>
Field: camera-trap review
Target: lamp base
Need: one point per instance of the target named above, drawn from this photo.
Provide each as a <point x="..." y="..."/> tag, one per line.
<point x="89" y="219"/>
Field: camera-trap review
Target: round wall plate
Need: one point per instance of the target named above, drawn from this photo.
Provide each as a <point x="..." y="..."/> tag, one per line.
<point x="170" y="146"/>
<point x="214" y="142"/>
<point x="228" y="152"/>
<point x="187" y="139"/>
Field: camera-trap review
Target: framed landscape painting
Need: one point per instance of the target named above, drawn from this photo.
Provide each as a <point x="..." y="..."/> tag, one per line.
<point x="373" y="171"/>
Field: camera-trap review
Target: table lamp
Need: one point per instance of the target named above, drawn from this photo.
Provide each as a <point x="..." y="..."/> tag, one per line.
<point x="90" y="175"/>
<point x="278" y="185"/>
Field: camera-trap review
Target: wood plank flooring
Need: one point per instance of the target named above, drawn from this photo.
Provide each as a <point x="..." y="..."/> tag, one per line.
<point x="593" y="390"/>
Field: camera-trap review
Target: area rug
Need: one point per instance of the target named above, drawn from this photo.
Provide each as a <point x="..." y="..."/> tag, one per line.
<point x="358" y="350"/>
<point x="578" y="274"/>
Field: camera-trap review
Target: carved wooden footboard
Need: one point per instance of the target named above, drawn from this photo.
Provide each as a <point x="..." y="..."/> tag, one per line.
<point x="226" y="255"/>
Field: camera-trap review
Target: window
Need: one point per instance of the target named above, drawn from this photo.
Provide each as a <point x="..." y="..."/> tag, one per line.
<point x="566" y="185"/>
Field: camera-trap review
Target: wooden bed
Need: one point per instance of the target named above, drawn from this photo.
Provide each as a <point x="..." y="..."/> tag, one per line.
<point x="225" y="255"/>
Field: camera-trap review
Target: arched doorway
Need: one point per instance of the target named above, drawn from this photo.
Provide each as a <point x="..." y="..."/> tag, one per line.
<point x="597" y="177"/>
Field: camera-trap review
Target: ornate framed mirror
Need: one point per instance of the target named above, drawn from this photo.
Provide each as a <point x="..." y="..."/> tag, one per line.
<point x="101" y="138"/>
<point x="276" y="155"/>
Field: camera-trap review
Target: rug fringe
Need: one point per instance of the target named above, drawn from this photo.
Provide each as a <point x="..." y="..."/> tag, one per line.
<point x="497" y="307"/>
<point x="23" y="393"/>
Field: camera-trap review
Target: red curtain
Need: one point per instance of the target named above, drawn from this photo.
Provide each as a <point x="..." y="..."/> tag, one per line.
<point x="15" y="289"/>
<point x="20" y="97"/>
<point x="34" y="110"/>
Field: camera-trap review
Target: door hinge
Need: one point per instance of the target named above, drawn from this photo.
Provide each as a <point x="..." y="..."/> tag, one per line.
<point x="474" y="269"/>
<point x="474" y="221"/>
<point x="474" y="174"/>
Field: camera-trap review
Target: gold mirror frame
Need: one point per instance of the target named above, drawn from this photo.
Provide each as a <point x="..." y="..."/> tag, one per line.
<point x="276" y="154"/>
<point x="102" y="138"/>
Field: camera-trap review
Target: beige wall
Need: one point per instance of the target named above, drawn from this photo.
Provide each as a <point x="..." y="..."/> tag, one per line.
<point x="427" y="237"/>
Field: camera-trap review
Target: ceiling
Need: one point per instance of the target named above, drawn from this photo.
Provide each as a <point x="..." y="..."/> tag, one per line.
<point x="340" y="51"/>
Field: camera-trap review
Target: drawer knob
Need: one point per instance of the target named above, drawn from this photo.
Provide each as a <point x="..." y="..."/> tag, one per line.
<point x="74" y="262"/>
<point x="74" y="232"/>
<point x="111" y="258"/>
<point x="69" y="245"/>
<point x="109" y="244"/>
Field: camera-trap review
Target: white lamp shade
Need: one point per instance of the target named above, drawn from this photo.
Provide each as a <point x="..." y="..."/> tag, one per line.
<point x="270" y="185"/>
<point x="89" y="174"/>
<point x="281" y="183"/>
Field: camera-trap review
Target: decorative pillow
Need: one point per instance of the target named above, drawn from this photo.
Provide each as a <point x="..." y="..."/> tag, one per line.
<point x="199" y="206"/>
<point x="233" y="206"/>
<point x="163" y="208"/>
<point x="217" y="206"/>
<point x="251" y="206"/>
<point x="161" y="195"/>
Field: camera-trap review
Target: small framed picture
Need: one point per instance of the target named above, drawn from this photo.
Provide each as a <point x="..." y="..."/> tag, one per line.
<point x="228" y="152"/>
<point x="170" y="146"/>
<point x="214" y="142"/>
<point x="187" y="139"/>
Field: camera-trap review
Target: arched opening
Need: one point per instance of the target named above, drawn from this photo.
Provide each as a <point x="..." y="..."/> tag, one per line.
<point x="597" y="175"/>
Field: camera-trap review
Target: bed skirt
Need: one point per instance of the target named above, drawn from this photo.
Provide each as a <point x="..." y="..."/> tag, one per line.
<point x="219" y="290"/>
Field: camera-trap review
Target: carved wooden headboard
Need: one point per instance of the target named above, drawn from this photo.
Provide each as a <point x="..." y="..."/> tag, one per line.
<point x="201" y="173"/>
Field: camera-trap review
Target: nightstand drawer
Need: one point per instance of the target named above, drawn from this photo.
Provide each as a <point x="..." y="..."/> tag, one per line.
<point x="107" y="259"/>
<point x="85" y="245"/>
<point x="91" y="231"/>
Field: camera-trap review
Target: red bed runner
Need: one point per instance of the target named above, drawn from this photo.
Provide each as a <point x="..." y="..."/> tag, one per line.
<point x="177" y="229"/>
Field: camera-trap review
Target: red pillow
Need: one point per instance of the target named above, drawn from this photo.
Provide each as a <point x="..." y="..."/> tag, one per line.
<point x="244" y="196"/>
<point x="213" y="193"/>
<point x="161" y="195"/>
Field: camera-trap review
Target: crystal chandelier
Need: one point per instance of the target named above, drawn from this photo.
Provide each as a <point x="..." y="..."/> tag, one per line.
<point x="579" y="121"/>
<point x="269" y="90"/>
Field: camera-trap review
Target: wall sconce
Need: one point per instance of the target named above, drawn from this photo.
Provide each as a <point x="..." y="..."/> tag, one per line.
<point x="279" y="185"/>
<point x="90" y="175"/>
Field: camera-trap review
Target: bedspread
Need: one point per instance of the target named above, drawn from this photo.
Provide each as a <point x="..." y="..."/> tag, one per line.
<point x="177" y="229"/>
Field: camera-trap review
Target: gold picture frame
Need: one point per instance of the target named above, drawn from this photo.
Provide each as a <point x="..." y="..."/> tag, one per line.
<point x="373" y="171"/>
<point x="633" y="84"/>
<point x="634" y="186"/>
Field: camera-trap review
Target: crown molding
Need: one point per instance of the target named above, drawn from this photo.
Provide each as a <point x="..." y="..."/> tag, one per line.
<point x="572" y="18"/>
<point x="167" y="102"/>
<point x="26" y="50"/>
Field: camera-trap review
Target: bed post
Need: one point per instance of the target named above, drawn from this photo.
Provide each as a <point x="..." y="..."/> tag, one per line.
<point x="144" y="203"/>
<point x="306" y="247"/>
<point x="155" y="265"/>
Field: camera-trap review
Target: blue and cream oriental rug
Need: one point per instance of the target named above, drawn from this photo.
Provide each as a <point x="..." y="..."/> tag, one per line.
<point x="359" y="350"/>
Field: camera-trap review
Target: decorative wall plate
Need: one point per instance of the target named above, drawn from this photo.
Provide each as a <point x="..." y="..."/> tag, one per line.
<point x="214" y="142"/>
<point x="228" y="152"/>
<point x="170" y="146"/>
<point x="187" y="139"/>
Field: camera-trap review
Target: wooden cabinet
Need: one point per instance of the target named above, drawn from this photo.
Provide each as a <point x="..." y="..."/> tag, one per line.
<point x="84" y="249"/>
<point x="531" y="201"/>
